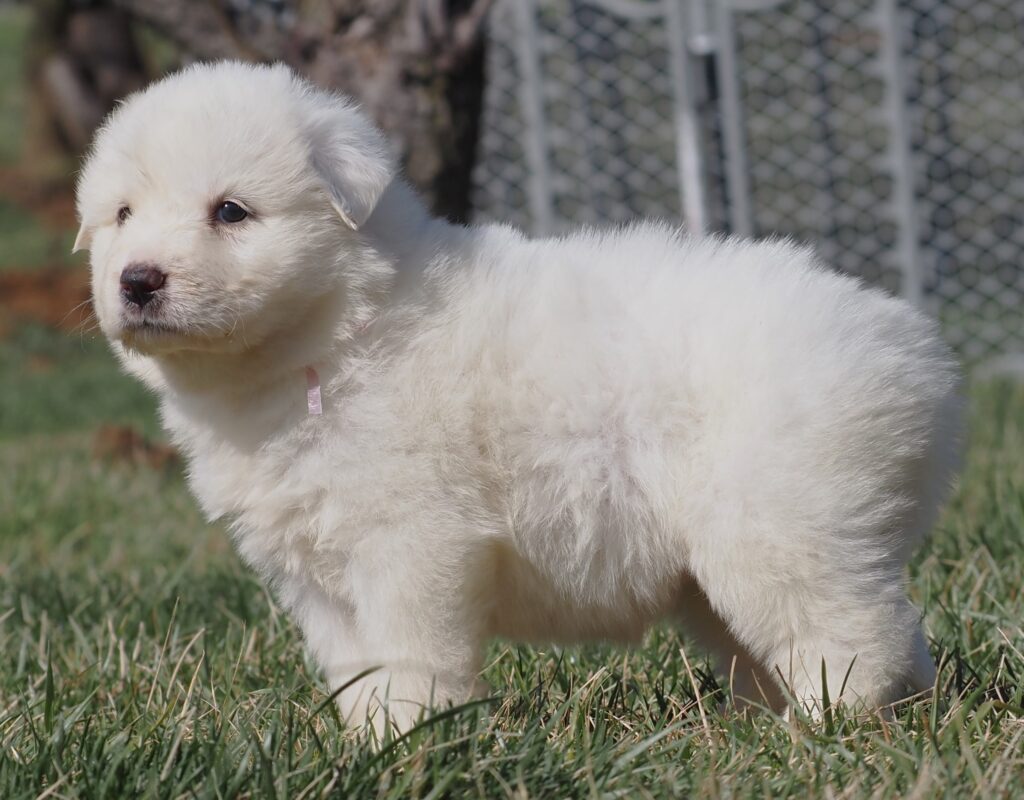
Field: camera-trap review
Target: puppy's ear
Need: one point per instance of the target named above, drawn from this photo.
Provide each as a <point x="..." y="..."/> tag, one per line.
<point x="84" y="238"/>
<point x="350" y="155"/>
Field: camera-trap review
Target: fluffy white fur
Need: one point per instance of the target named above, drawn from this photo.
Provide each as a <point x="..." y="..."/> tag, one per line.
<point x="563" y="439"/>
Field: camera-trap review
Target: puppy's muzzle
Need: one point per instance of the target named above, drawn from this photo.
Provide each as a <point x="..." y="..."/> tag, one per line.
<point x="140" y="283"/>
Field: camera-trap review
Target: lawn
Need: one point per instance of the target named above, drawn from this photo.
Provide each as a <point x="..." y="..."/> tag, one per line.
<point x="138" y="657"/>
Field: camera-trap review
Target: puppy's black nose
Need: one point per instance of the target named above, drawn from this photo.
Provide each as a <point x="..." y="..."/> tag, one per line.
<point x="139" y="282"/>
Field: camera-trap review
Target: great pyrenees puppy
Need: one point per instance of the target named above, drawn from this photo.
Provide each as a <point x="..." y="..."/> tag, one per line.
<point x="425" y="435"/>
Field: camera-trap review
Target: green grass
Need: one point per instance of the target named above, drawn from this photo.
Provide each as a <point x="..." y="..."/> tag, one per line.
<point x="26" y="243"/>
<point x="14" y="22"/>
<point x="47" y="375"/>
<point x="139" y="658"/>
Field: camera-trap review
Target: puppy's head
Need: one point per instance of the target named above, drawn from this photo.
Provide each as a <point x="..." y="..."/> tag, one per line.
<point x="218" y="205"/>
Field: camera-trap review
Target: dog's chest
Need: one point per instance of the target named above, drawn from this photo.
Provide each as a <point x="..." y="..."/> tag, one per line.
<point x="299" y="505"/>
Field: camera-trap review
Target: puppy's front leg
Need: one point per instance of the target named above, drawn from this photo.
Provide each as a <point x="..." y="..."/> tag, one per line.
<point x="416" y="631"/>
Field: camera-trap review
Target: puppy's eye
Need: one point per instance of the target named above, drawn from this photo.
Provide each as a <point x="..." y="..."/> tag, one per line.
<point x="122" y="214"/>
<point x="231" y="212"/>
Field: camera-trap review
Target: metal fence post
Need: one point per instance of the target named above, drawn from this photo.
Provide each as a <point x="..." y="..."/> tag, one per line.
<point x="908" y="249"/>
<point x="531" y="101"/>
<point x="689" y="151"/>
<point x="736" y="177"/>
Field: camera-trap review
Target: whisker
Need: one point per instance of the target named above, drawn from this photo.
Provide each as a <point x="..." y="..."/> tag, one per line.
<point x="73" y="309"/>
<point x="87" y="324"/>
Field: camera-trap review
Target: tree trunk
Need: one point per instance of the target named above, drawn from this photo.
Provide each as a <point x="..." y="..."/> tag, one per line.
<point x="81" y="58"/>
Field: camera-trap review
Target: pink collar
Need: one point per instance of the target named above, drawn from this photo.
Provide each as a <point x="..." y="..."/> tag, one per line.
<point x="314" y="401"/>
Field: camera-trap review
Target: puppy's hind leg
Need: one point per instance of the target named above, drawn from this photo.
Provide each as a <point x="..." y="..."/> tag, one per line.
<point x="822" y="627"/>
<point x="748" y="683"/>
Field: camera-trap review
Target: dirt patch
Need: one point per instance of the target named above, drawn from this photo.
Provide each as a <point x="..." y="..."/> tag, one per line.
<point x="123" y="444"/>
<point x="52" y="203"/>
<point x="55" y="297"/>
<point x="38" y="364"/>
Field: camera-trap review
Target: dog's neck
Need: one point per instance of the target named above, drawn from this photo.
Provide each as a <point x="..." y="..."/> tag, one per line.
<point x="401" y="228"/>
<point x="241" y="399"/>
<point x="214" y="388"/>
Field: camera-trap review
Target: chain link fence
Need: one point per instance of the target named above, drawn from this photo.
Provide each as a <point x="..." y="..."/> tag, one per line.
<point x="890" y="133"/>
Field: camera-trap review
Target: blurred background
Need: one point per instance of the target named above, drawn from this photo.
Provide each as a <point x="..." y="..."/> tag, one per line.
<point x="889" y="133"/>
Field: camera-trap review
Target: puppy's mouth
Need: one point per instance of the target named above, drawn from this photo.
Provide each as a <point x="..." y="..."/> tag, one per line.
<point x="155" y="334"/>
<point x="147" y="330"/>
<point x="149" y="326"/>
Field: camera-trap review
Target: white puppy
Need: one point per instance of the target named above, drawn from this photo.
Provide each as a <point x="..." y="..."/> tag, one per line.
<point x="564" y="439"/>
